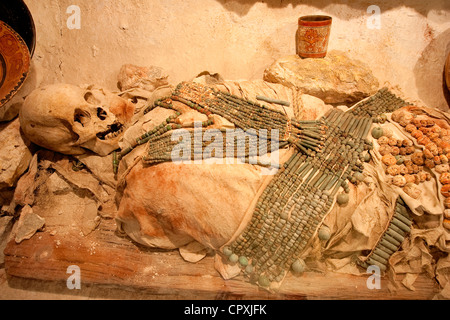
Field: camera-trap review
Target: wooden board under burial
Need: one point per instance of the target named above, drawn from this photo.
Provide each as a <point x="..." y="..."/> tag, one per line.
<point x="106" y="259"/>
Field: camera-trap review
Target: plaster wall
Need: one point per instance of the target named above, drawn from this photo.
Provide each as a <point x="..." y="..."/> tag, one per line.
<point x="238" y="39"/>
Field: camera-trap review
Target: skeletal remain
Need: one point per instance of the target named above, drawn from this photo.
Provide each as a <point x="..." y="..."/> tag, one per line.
<point x="69" y="119"/>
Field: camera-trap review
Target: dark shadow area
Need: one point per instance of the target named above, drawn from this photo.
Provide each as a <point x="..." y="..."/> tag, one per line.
<point x="334" y="8"/>
<point x="445" y="89"/>
<point x="428" y="71"/>
<point x="15" y="13"/>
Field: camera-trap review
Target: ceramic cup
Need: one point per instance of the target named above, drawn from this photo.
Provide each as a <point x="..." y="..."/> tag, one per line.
<point x="312" y="36"/>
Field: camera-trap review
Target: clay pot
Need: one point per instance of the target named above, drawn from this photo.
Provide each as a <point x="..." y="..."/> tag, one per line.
<point x="312" y="36"/>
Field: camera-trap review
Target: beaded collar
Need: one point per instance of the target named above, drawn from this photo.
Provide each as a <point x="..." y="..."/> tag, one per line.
<point x="328" y="154"/>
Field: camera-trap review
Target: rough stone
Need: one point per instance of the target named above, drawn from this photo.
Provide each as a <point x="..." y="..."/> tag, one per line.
<point x="15" y="155"/>
<point x="90" y="219"/>
<point x="311" y="107"/>
<point x="29" y="223"/>
<point x="5" y="228"/>
<point x="57" y="185"/>
<point x="336" y="79"/>
<point x="147" y="78"/>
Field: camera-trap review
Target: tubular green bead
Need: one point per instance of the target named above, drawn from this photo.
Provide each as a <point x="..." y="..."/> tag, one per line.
<point x="388" y="245"/>
<point x="371" y="261"/>
<point x="359" y="176"/>
<point x="392" y="240"/>
<point x="381" y="253"/>
<point x="379" y="258"/>
<point x="402" y="218"/>
<point x="397" y="229"/>
<point x="395" y="235"/>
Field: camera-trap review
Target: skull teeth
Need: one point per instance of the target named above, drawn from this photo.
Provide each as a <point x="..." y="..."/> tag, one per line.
<point x="113" y="134"/>
<point x="113" y="131"/>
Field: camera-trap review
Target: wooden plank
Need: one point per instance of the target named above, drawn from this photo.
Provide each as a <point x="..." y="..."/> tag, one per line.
<point x="105" y="259"/>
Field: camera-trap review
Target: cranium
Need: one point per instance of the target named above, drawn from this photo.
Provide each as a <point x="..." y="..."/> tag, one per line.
<point x="69" y="119"/>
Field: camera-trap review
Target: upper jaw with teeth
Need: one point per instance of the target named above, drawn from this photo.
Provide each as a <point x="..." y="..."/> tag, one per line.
<point x="112" y="132"/>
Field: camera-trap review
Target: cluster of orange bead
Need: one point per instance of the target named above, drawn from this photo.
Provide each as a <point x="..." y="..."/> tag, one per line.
<point x="436" y="153"/>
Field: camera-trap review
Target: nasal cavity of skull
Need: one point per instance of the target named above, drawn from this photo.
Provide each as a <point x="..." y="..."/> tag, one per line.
<point x="82" y="117"/>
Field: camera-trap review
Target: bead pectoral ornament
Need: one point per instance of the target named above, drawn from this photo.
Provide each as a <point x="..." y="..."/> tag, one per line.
<point x="306" y="136"/>
<point x="327" y="155"/>
<point x="293" y="205"/>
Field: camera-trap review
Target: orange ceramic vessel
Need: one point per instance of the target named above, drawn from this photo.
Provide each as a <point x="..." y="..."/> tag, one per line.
<point x="14" y="62"/>
<point x="313" y="35"/>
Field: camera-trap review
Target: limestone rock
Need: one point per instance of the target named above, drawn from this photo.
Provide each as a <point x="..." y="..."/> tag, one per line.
<point x="15" y="156"/>
<point x="29" y="223"/>
<point x="147" y="78"/>
<point x="57" y="185"/>
<point x="90" y="219"/>
<point x="5" y="228"/>
<point x="193" y="252"/>
<point x="24" y="191"/>
<point x="310" y="108"/>
<point x="336" y="79"/>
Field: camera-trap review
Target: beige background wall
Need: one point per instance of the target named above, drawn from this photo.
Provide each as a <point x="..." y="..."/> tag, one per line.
<point x="237" y="38"/>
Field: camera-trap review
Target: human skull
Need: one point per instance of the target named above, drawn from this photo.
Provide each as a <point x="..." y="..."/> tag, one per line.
<point x="69" y="119"/>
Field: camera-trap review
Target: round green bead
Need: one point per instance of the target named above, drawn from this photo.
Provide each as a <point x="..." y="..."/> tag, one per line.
<point x="324" y="233"/>
<point x="298" y="266"/>
<point x="377" y="132"/>
<point x="233" y="258"/>
<point x="243" y="261"/>
<point x="342" y="199"/>
<point x="264" y="281"/>
<point x="227" y="251"/>
<point x="249" y="269"/>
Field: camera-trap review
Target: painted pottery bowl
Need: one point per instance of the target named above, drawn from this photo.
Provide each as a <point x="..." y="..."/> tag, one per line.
<point x="16" y="14"/>
<point x="14" y="62"/>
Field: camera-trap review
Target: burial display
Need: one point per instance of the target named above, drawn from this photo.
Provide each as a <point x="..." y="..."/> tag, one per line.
<point x="264" y="176"/>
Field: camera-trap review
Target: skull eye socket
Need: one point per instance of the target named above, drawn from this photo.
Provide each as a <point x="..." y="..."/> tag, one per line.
<point x="89" y="98"/>
<point x="101" y="114"/>
<point x="82" y="117"/>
